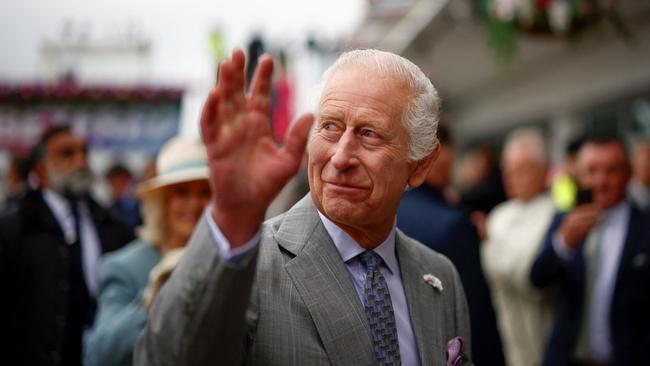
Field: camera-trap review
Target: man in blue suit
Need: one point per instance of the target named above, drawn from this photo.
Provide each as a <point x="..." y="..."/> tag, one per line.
<point x="425" y="215"/>
<point x="599" y="256"/>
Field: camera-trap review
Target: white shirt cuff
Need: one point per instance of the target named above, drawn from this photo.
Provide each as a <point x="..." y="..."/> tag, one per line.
<point x="233" y="256"/>
<point x="561" y="248"/>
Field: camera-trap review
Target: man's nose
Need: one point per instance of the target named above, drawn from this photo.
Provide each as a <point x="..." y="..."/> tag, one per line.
<point x="80" y="158"/>
<point x="600" y="180"/>
<point x="345" y="153"/>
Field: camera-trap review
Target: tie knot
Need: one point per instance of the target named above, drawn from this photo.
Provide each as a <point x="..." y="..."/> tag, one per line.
<point x="370" y="260"/>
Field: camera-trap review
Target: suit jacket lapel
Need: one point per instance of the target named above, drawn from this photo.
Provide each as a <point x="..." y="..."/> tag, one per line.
<point x="424" y="304"/>
<point x="633" y="240"/>
<point x="39" y="211"/>
<point x="324" y="283"/>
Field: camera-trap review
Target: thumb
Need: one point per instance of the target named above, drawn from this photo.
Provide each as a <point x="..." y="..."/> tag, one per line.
<point x="296" y="138"/>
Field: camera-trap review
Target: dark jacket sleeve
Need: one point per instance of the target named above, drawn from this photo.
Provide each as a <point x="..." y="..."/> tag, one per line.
<point x="549" y="267"/>
<point x="9" y="229"/>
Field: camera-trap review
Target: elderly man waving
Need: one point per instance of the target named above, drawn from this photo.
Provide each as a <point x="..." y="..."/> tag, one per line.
<point x="332" y="281"/>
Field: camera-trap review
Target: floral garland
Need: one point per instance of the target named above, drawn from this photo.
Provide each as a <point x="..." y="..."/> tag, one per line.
<point x="506" y="20"/>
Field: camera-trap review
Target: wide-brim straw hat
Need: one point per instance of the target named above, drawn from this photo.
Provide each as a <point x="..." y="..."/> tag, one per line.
<point x="180" y="160"/>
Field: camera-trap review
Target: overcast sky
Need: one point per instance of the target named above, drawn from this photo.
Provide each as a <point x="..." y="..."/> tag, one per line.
<point x="179" y="29"/>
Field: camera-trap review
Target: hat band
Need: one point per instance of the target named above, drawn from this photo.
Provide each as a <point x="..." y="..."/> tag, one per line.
<point x="185" y="166"/>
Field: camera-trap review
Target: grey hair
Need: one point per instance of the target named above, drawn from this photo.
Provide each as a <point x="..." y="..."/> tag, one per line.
<point x="529" y="138"/>
<point x="152" y="231"/>
<point x="422" y="112"/>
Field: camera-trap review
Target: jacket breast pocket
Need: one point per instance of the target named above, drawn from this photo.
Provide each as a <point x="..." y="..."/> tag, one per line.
<point x="639" y="274"/>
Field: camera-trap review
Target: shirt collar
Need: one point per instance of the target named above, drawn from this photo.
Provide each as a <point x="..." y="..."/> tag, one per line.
<point x="57" y="203"/>
<point x="536" y="198"/>
<point x="348" y="248"/>
<point x="616" y="213"/>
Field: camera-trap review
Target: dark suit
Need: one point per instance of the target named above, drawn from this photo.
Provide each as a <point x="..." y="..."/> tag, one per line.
<point x="35" y="280"/>
<point x="425" y="216"/>
<point x="630" y="306"/>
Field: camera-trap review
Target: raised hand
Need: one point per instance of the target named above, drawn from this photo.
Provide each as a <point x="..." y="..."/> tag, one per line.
<point x="247" y="168"/>
<point x="578" y="223"/>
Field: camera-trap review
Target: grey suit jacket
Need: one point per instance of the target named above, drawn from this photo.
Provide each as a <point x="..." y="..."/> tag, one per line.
<point x="293" y="303"/>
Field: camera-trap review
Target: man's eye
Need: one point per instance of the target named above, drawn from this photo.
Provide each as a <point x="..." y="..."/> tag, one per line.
<point x="67" y="152"/>
<point x="368" y="133"/>
<point x="328" y="126"/>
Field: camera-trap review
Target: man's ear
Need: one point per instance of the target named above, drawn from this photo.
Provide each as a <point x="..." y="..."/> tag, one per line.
<point x="421" y="168"/>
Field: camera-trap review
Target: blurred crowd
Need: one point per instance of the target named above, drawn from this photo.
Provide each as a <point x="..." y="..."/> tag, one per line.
<point x="563" y="269"/>
<point x="556" y="266"/>
<point x="82" y="275"/>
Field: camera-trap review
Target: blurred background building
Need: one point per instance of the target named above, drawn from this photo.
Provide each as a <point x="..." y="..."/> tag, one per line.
<point x="129" y="75"/>
<point x="567" y="66"/>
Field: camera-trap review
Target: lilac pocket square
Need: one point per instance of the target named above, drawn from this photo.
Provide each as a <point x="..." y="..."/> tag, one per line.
<point x="455" y="351"/>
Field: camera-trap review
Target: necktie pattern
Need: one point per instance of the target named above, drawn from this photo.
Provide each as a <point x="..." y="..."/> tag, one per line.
<point x="379" y="310"/>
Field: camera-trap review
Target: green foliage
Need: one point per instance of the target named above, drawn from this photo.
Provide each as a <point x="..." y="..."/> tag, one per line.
<point x="502" y="38"/>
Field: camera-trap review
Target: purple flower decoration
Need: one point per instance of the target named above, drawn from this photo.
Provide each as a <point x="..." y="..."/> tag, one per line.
<point x="455" y="349"/>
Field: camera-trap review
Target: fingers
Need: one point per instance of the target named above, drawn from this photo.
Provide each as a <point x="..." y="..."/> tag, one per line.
<point x="578" y="223"/>
<point x="226" y="90"/>
<point x="207" y="124"/>
<point x="296" y="138"/>
<point x="227" y="100"/>
<point x="259" y="98"/>
<point x="239" y="61"/>
<point x="583" y="220"/>
<point x="231" y="74"/>
<point x="238" y="78"/>
<point x="588" y="214"/>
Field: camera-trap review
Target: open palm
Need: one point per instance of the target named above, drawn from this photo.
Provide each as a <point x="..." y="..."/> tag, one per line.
<point x="247" y="168"/>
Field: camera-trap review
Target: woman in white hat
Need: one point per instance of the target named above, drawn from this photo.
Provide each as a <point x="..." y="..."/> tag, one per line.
<point x="172" y="203"/>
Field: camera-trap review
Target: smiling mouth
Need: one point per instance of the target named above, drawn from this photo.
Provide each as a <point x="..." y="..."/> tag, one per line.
<point x="345" y="187"/>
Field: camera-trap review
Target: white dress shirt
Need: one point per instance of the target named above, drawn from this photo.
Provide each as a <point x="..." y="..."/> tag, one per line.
<point x="516" y="231"/>
<point x="613" y="228"/>
<point x="349" y="251"/>
<point x="90" y="244"/>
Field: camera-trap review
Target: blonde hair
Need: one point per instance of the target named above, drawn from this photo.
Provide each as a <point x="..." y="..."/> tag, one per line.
<point x="152" y="230"/>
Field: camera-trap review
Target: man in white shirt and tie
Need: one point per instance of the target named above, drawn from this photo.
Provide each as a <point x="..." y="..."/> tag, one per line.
<point x="599" y="256"/>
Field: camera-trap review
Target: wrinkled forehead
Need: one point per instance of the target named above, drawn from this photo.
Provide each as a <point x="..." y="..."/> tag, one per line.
<point x="366" y="97"/>
<point x="369" y="81"/>
<point x="370" y="70"/>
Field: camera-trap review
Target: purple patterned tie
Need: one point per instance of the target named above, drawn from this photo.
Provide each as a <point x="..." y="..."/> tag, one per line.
<point x="379" y="310"/>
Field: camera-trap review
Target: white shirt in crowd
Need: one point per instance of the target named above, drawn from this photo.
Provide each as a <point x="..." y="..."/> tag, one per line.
<point x="516" y="231"/>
